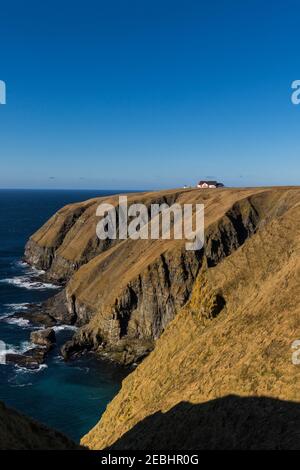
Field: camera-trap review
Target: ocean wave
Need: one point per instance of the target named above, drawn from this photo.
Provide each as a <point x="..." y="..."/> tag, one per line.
<point x="27" y="282"/>
<point x="17" y="307"/>
<point x="24" y="370"/>
<point x="36" y="272"/>
<point x="64" y="328"/>
<point x="23" y="322"/>
<point x="29" y="384"/>
<point x="30" y="278"/>
<point x="86" y="370"/>
<point x="21" y="349"/>
<point x="58" y="359"/>
<point x="12" y="309"/>
<point x="22" y="264"/>
<point x="31" y="269"/>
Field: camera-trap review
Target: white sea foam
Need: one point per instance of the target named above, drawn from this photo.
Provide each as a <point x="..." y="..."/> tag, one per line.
<point x="17" y="307"/>
<point x="23" y="322"/>
<point x="30" y="269"/>
<point x="21" y="263"/>
<point x="36" y="272"/>
<point x="57" y="359"/>
<point x="64" y="328"/>
<point x="21" y="349"/>
<point x="27" y="282"/>
<point x="29" y="279"/>
<point x="29" y="384"/>
<point x="86" y="370"/>
<point x="24" y="370"/>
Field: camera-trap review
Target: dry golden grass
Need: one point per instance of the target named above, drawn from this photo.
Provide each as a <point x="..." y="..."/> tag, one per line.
<point x="101" y="281"/>
<point x="242" y="347"/>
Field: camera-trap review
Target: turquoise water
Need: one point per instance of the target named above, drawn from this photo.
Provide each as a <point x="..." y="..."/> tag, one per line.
<point x="67" y="396"/>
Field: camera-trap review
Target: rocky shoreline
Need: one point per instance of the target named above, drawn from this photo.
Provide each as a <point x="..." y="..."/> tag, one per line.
<point x="44" y="316"/>
<point x="44" y="341"/>
<point x="224" y="317"/>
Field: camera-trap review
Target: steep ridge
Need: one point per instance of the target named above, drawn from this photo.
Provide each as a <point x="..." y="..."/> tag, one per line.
<point x="18" y="432"/>
<point x="124" y="297"/>
<point x="222" y="370"/>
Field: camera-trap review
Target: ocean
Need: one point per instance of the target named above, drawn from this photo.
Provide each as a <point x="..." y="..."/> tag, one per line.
<point x="69" y="397"/>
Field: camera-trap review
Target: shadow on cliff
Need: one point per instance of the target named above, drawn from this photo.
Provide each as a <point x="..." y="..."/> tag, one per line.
<point x="230" y="422"/>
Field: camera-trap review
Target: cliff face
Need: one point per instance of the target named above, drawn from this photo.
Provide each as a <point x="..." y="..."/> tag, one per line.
<point x="18" y="432"/>
<point x="124" y="293"/>
<point x="221" y="374"/>
<point x="68" y="239"/>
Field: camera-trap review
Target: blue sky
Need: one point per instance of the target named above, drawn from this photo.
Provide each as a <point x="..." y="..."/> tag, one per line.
<point x="145" y="94"/>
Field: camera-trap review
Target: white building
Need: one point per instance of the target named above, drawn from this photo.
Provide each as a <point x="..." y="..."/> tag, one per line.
<point x="209" y="184"/>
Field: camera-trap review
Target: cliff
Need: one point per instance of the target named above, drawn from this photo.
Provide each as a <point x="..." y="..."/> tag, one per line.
<point x="122" y="294"/>
<point x="18" y="432"/>
<point x="221" y="374"/>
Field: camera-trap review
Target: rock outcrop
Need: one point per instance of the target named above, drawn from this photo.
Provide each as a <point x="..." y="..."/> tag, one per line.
<point x="43" y="341"/>
<point x="44" y="337"/>
<point x="31" y="359"/>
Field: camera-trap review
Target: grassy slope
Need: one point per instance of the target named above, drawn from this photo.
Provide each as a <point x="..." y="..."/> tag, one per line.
<point x="112" y="270"/>
<point x="245" y="350"/>
<point x="124" y="293"/>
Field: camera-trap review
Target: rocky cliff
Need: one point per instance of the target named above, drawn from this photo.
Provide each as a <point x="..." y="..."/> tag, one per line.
<point x="123" y="293"/>
<point x="221" y="374"/>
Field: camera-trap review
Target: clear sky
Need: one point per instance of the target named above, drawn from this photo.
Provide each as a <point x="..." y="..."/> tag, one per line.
<point x="142" y="94"/>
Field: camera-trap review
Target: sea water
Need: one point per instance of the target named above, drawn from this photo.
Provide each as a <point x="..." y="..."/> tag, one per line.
<point x="68" y="396"/>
